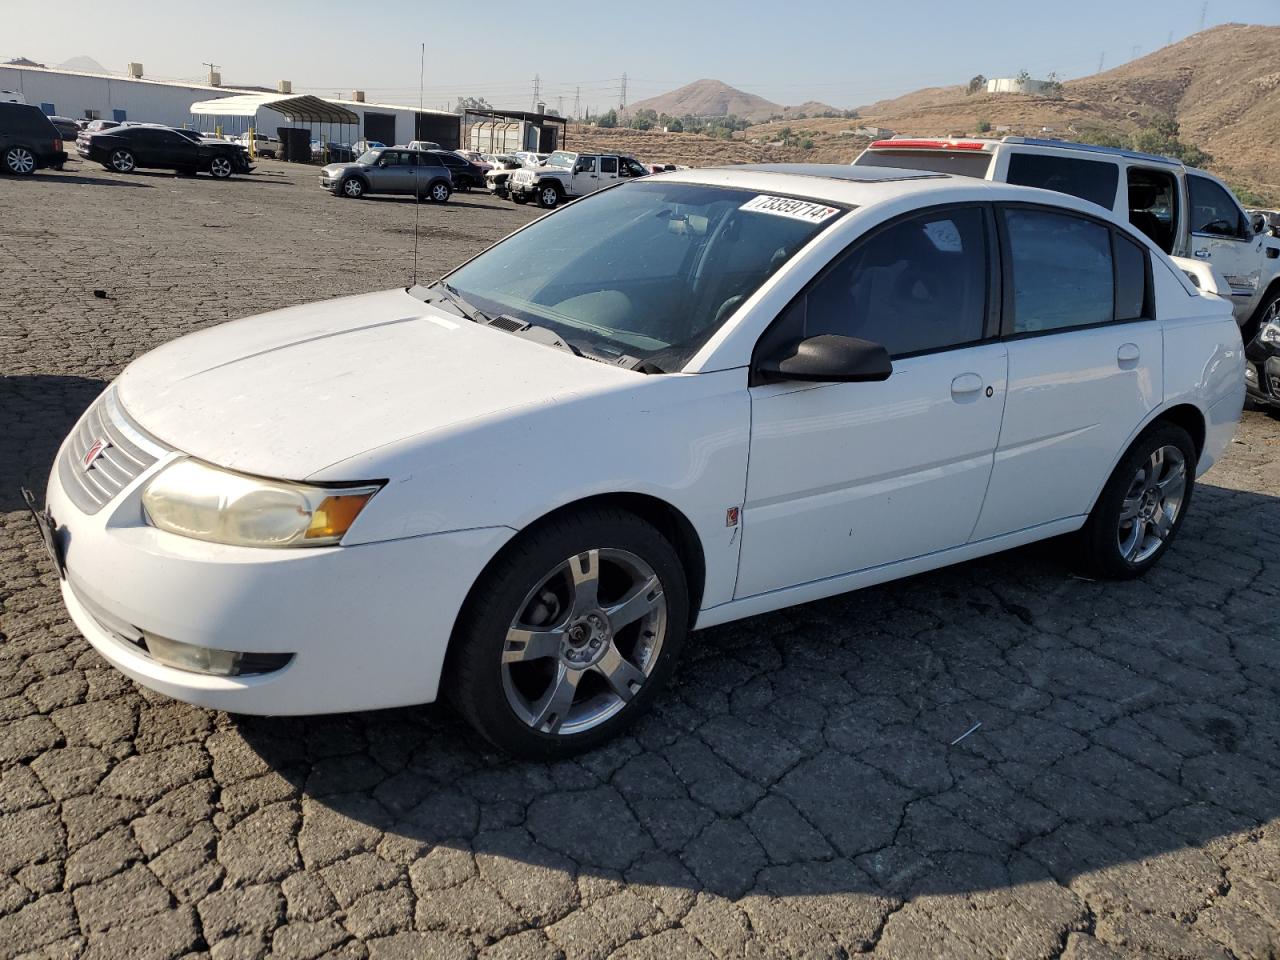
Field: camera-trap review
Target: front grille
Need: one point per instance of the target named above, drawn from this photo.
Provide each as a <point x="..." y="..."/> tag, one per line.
<point x="127" y="450"/>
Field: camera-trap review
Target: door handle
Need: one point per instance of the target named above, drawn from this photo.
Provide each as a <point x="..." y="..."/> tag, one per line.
<point x="1128" y="354"/>
<point x="965" y="387"/>
<point x="1202" y="254"/>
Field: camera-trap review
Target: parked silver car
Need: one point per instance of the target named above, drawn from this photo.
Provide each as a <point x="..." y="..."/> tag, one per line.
<point x="390" y="170"/>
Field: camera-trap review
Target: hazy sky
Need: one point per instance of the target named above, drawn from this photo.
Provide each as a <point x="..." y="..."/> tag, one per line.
<point x="844" y="52"/>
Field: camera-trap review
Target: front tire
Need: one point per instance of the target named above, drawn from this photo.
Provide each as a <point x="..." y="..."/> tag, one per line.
<point x="519" y="198"/>
<point x="569" y="636"/>
<point x="123" y="161"/>
<point x="548" y="196"/>
<point x="220" y="168"/>
<point x="352" y="187"/>
<point x="1141" y="509"/>
<point x="20" y="161"/>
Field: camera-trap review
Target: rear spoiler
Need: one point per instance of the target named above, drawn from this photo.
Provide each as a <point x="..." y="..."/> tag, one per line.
<point x="1203" y="276"/>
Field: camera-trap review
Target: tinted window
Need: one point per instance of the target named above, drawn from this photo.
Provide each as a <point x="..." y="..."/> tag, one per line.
<point x="608" y="164"/>
<point x="920" y="284"/>
<point x="1153" y="205"/>
<point x="451" y="160"/>
<point x="26" y="119"/>
<point x="1092" y="180"/>
<point x="429" y="160"/>
<point x="1131" y="279"/>
<point x="1062" y="274"/>
<point x="963" y="163"/>
<point x="1213" y="211"/>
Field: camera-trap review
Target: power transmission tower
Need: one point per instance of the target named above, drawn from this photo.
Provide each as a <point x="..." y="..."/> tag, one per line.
<point x="537" y="90"/>
<point x="1102" y="58"/>
<point x="560" y="105"/>
<point x="622" y="103"/>
<point x="577" y="100"/>
<point x="1204" y="12"/>
<point x="1134" y="51"/>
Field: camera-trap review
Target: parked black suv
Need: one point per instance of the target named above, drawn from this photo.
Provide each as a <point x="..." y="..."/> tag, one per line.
<point x="465" y="173"/>
<point x="128" y="148"/>
<point x="28" y="140"/>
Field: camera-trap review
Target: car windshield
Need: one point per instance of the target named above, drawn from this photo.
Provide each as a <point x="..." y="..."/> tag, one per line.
<point x="646" y="270"/>
<point x="369" y="157"/>
<point x="560" y="159"/>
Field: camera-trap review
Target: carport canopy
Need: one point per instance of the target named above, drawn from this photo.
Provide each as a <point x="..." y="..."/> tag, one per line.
<point x="300" y="109"/>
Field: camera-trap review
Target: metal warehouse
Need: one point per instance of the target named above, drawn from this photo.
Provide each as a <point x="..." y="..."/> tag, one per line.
<point x="134" y="97"/>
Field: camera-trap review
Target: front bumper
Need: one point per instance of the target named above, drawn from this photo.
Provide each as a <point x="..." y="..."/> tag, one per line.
<point x="367" y="625"/>
<point x="1262" y="380"/>
<point x="522" y="189"/>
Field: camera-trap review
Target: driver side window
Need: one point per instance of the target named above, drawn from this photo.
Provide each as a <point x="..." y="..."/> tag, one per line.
<point x="917" y="285"/>
<point x="1213" y="211"/>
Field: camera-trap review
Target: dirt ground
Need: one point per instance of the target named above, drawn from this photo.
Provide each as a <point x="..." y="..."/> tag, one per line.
<point x="803" y="790"/>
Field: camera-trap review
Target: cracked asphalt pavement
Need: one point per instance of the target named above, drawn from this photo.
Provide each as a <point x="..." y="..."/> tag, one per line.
<point x="796" y="793"/>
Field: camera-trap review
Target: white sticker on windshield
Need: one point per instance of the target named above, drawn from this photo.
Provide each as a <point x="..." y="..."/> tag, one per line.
<point x="944" y="235"/>
<point x="794" y="209"/>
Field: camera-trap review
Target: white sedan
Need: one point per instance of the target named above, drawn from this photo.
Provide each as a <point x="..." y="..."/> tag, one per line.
<point x="683" y="401"/>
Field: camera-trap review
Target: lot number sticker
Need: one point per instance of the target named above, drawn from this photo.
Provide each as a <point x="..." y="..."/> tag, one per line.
<point x="793" y="209"/>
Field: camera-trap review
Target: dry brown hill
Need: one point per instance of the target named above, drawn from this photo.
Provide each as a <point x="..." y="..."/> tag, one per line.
<point x="712" y="98"/>
<point x="1222" y="86"/>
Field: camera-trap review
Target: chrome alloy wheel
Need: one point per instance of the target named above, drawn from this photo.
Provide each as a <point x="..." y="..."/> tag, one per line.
<point x="20" y="160"/>
<point x="584" y="641"/>
<point x="1151" y="507"/>
<point x="122" y="161"/>
<point x="439" y="193"/>
<point x="220" y="167"/>
<point x="352" y="187"/>
<point x="550" y="196"/>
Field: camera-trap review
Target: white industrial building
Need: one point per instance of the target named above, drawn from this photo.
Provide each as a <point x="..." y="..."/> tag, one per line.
<point x="134" y="97"/>
<point x="1022" y="85"/>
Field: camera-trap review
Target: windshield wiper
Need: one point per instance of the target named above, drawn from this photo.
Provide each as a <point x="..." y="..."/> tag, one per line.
<point x="472" y="313"/>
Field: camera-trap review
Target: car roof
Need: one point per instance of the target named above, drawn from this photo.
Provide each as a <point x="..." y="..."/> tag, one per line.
<point x="870" y="186"/>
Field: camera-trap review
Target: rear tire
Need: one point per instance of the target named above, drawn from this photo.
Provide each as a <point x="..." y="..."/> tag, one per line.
<point x="20" y="161"/>
<point x="533" y="620"/>
<point x="438" y="192"/>
<point x="1141" y="509"/>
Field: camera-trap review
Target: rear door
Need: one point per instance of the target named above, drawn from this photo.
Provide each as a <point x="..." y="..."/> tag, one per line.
<point x="1086" y="364"/>
<point x="608" y="172"/>
<point x="843" y="477"/>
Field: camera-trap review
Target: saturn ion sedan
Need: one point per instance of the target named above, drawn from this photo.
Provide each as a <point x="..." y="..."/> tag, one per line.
<point x="682" y="401"/>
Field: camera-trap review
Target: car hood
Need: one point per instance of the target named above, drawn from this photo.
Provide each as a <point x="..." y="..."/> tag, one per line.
<point x="337" y="169"/>
<point x="288" y="393"/>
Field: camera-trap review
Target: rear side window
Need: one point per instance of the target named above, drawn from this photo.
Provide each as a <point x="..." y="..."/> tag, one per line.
<point x="1132" y="300"/>
<point x="1062" y="271"/>
<point x="917" y="285"/>
<point x="1213" y="211"/>
<point x="608" y="164"/>
<point x="26" y="119"/>
<point x="963" y="163"/>
<point x="1092" y="180"/>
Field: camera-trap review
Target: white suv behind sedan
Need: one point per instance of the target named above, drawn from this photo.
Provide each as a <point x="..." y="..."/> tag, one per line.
<point x="524" y="484"/>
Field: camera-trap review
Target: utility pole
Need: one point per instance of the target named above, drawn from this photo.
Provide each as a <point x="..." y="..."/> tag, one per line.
<point x="622" y="104"/>
<point x="537" y="90"/>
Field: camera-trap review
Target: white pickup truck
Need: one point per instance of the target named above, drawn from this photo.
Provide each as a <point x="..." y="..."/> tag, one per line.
<point x="566" y="176"/>
<point x="1187" y="213"/>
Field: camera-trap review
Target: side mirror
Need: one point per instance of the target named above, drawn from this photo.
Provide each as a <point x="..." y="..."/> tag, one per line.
<point x="828" y="358"/>
<point x="1257" y="223"/>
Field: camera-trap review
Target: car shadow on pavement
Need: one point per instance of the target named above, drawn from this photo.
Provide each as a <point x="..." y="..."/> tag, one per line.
<point x="1002" y="724"/>
<point x="39" y="412"/>
<point x="85" y="179"/>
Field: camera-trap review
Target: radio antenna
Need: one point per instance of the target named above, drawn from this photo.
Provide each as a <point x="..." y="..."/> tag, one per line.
<point x="417" y="188"/>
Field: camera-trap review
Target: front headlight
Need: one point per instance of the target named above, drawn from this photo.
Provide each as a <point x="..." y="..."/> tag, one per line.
<point x="194" y="499"/>
<point x="1270" y="333"/>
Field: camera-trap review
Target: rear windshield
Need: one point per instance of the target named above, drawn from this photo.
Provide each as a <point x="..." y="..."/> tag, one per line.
<point x="27" y="119"/>
<point x="963" y="163"/>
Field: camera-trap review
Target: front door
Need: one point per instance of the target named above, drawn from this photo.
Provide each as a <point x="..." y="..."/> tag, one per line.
<point x="847" y="476"/>
<point x="1221" y="234"/>
<point x="1086" y="366"/>
<point x="586" y="176"/>
<point x="396" y="172"/>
